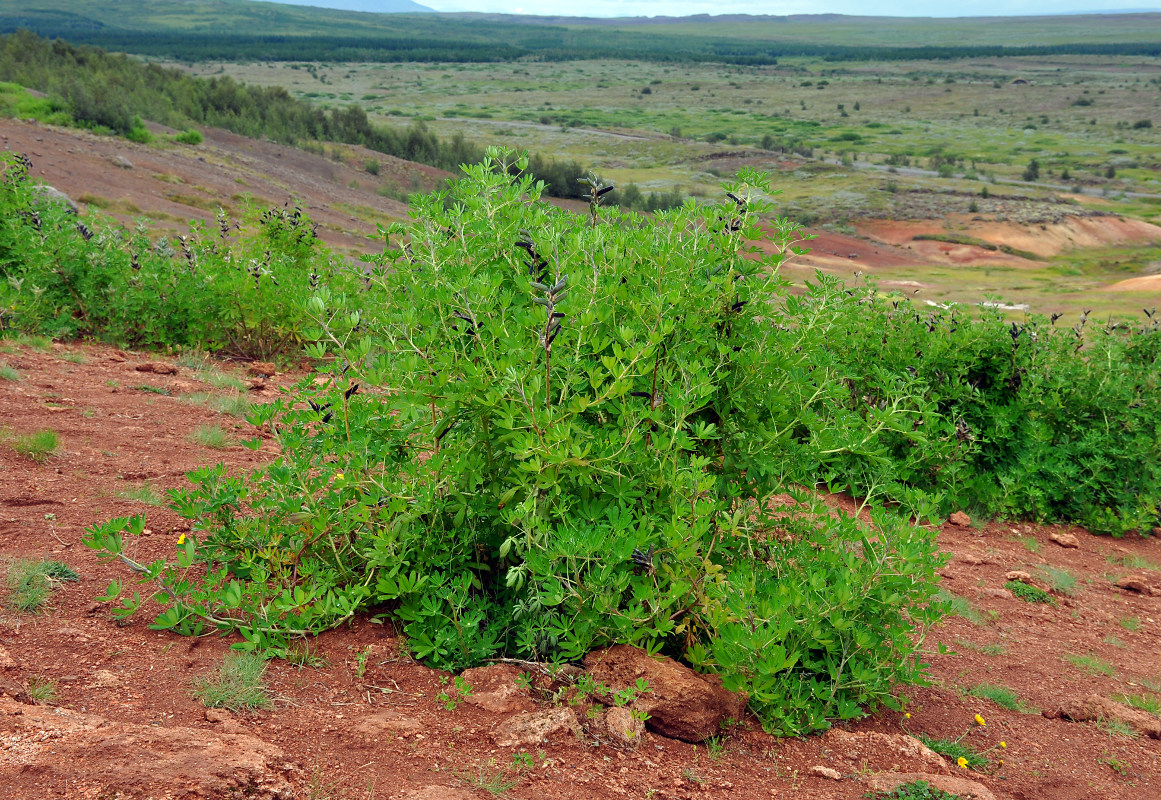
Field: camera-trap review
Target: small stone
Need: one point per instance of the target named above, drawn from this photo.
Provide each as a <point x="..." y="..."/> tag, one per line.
<point x="104" y="679"/>
<point x="992" y="591"/>
<point x="960" y="519"/>
<point x="826" y="772"/>
<point x="1066" y="540"/>
<point x="122" y="162"/>
<point x="217" y="715"/>
<point x="534" y="729"/>
<point x="1018" y="575"/>
<point x="6" y="660"/>
<point x="623" y="726"/>
<point x="257" y="385"/>
<point x="497" y="688"/>
<point x="157" y="368"/>
<point x="261" y="369"/>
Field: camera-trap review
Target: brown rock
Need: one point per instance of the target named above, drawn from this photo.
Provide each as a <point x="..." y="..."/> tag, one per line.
<point x="680" y="703"/>
<point x="535" y="728"/>
<point x="884" y="751"/>
<point x="1067" y="540"/>
<point x="217" y="715"/>
<point x="437" y="792"/>
<point x="157" y="368"/>
<point x="1018" y="575"/>
<point x="826" y="772"/>
<point x="99" y="757"/>
<point x="261" y="369"/>
<point x="623" y="726"/>
<point x="1095" y="707"/>
<point x="117" y="356"/>
<point x="387" y="722"/>
<point x="964" y="788"/>
<point x="257" y="385"/>
<point x="960" y="519"/>
<point x="1134" y="583"/>
<point x="996" y="592"/>
<point x="6" y="659"/>
<point x="495" y="689"/>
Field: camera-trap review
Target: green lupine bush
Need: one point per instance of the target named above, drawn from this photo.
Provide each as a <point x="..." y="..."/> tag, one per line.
<point x="216" y="289"/>
<point x="552" y="433"/>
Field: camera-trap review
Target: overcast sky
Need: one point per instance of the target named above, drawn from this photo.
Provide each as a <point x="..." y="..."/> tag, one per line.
<point x="676" y="8"/>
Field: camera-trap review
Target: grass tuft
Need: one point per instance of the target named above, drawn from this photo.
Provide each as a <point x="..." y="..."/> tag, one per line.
<point x="8" y="373"/>
<point x="236" y="684"/>
<point x="1001" y="696"/>
<point x="42" y="690"/>
<point x="1090" y="664"/>
<point x="234" y="404"/>
<point x="1144" y="701"/>
<point x="39" y="446"/>
<point x="1029" y="593"/>
<point x="1058" y="580"/>
<point x="30" y="583"/>
<point x="144" y="493"/>
<point x="958" y="606"/>
<point x="916" y="790"/>
<point x="211" y="436"/>
<point x="955" y="750"/>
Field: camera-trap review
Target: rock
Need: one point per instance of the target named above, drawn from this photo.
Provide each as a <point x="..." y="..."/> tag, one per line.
<point x="436" y="792"/>
<point x="116" y="356"/>
<point x="104" y="679"/>
<point x="6" y="659"/>
<point x="261" y="369"/>
<point x="157" y="368"/>
<point x="963" y="788"/>
<point x="883" y="751"/>
<point x="1018" y="575"/>
<point x="387" y="722"/>
<point x="680" y="703"/>
<point x="122" y="162"/>
<point x="960" y="519"/>
<point x="1067" y="540"/>
<point x="623" y="726"/>
<point x="1134" y="583"/>
<point x="52" y="194"/>
<point x="1095" y="707"/>
<point x="495" y="689"/>
<point x="535" y="728"/>
<point x="996" y="592"/>
<point x="217" y="715"/>
<point x="99" y="757"/>
<point x="826" y="772"/>
<point x="257" y="385"/>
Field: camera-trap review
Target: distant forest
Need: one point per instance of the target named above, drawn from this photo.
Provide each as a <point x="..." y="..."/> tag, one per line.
<point x="199" y="30"/>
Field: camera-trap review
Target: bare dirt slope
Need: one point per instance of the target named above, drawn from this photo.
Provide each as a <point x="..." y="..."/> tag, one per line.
<point x="367" y="722"/>
<point x="174" y="183"/>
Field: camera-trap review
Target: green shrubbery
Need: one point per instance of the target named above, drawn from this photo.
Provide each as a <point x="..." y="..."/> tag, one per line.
<point x="214" y="289"/>
<point x="549" y="434"/>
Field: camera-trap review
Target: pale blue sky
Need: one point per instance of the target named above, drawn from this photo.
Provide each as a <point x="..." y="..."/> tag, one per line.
<point x="901" y="8"/>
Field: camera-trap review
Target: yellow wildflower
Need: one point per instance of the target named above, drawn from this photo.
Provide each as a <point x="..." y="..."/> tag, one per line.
<point x="181" y="539"/>
<point x="338" y="476"/>
<point x="962" y="762"/>
<point x="980" y="721"/>
<point x="907" y="716"/>
<point x="1003" y="744"/>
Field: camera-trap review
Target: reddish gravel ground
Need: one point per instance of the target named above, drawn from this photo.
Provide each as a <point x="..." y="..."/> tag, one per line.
<point x="124" y="724"/>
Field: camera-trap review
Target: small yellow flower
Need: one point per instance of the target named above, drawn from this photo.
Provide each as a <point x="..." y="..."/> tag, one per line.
<point x="980" y="721"/>
<point x="338" y="476"/>
<point x="1003" y="744"/>
<point x="181" y="539"/>
<point x="907" y="716"/>
<point x="962" y="762"/>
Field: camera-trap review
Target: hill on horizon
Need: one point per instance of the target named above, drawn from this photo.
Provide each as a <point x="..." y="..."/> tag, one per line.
<point x="365" y="6"/>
